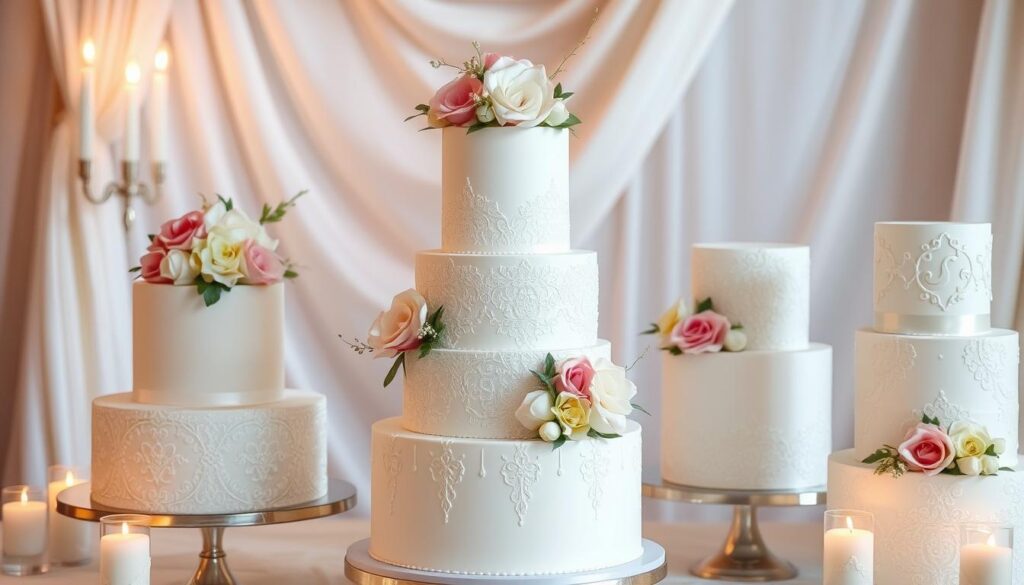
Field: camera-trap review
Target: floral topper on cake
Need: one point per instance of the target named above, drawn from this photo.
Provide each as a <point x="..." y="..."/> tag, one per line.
<point x="964" y="448"/>
<point x="580" y="398"/>
<point x="407" y="326"/>
<point x="216" y="248"/>
<point x="694" y="328"/>
<point x="495" y="90"/>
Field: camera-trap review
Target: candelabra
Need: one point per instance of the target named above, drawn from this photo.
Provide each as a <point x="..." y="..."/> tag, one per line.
<point x="129" y="187"/>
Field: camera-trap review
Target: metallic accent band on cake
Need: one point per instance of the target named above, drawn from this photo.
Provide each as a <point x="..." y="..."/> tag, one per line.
<point x="170" y="398"/>
<point x="930" y="324"/>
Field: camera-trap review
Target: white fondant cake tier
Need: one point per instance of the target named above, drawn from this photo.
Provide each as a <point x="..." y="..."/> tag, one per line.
<point x="491" y="205"/>
<point x="764" y="287"/>
<point x="749" y="420"/>
<point x="188" y="354"/>
<point x="169" y="459"/>
<point x="933" y="277"/>
<point x="917" y="518"/>
<point x="467" y="393"/>
<point x="503" y="507"/>
<point x="498" y="302"/>
<point x="899" y="378"/>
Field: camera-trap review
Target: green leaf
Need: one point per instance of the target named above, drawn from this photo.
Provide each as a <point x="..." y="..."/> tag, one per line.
<point x="435" y="319"/>
<point x="422" y="108"/>
<point x="543" y="379"/>
<point x="569" y="122"/>
<point x="414" y="116"/>
<point x="653" y="329"/>
<point x="211" y="295"/>
<point x="229" y="204"/>
<point x="558" y="442"/>
<point x="1010" y="469"/>
<point x="673" y="350"/>
<point x="291" y="273"/>
<point x="135" y="269"/>
<point x="398" y="363"/>
<point x="737" y="326"/>
<point x="596" y="434"/>
<point x="566" y="95"/>
<point x="705" y="305"/>
<point x="151" y="237"/>
<point x="549" y="366"/>
<point x="558" y="90"/>
<point x="425" y="349"/>
<point x="640" y="408"/>
<point x="277" y="213"/>
<point x="477" y="126"/>
<point x="879" y="455"/>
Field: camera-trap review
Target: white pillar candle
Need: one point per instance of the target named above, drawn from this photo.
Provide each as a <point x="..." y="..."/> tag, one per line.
<point x="124" y="558"/>
<point x="85" y="103"/>
<point x="986" y="564"/>
<point x="132" y="75"/>
<point x="849" y="556"/>
<point x="158" y="103"/>
<point x="24" y="525"/>
<point x="70" y="540"/>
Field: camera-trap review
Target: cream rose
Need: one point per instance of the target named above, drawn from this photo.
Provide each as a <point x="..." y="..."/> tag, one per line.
<point x="668" y="320"/>
<point x="535" y="410"/>
<point x="235" y="226"/>
<point x="969" y="465"/>
<point x="212" y="215"/>
<point x="611" y="393"/>
<point x="178" y="268"/>
<point x="573" y="415"/>
<point x="970" y="439"/>
<point x="398" y="329"/>
<point x="221" y="259"/>
<point x="735" y="340"/>
<point x="521" y="93"/>
<point x="549" y="431"/>
<point x="559" y="113"/>
<point x="989" y="465"/>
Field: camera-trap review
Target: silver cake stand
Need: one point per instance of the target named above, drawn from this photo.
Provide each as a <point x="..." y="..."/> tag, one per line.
<point x="213" y="565"/>
<point x="744" y="555"/>
<point x="362" y="569"/>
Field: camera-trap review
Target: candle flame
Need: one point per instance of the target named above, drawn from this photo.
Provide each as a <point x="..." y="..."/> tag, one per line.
<point x="69" y="478"/>
<point x="88" y="52"/>
<point x="124" y="528"/>
<point x="132" y="73"/>
<point x="24" y="495"/>
<point x="162" y="59"/>
<point x="849" y="523"/>
<point x="991" y="540"/>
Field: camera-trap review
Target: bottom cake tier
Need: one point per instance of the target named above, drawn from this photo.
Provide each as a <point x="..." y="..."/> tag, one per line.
<point x="176" y="460"/>
<point x="503" y="507"/>
<point x="917" y="518"/>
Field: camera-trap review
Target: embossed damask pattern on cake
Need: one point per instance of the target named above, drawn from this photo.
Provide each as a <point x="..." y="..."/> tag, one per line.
<point x="481" y="225"/>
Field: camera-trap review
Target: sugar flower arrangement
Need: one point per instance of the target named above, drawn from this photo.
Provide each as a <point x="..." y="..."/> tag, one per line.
<point x="579" y="398"/>
<point x="694" y="328"/>
<point x="495" y="90"/>
<point x="408" y="325"/>
<point x="216" y="248"/>
<point x="963" y="448"/>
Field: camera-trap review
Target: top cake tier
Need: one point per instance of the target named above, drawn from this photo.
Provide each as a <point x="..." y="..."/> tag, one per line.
<point x="763" y="287"/>
<point x="505" y="191"/>
<point x="187" y="354"/>
<point x="933" y="277"/>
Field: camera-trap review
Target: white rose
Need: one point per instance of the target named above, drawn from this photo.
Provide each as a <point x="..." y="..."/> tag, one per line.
<point x="178" y="267"/>
<point x="559" y="113"/>
<point x="969" y="465"/>
<point x="520" y="92"/>
<point x="221" y="259"/>
<point x="484" y="113"/>
<point x="999" y="445"/>
<point x="970" y="439"/>
<point x="213" y="214"/>
<point x="611" y="393"/>
<point x="735" y="340"/>
<point x="235" y="226"/>
<point x="536" y="410"/>
<point x="550" y="431"/>
<point x="989" y="465"/>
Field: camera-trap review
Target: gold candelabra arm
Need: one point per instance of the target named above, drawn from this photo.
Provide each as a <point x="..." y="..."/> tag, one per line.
<point x="129" y="187"/>
<point x="85" y="174"/>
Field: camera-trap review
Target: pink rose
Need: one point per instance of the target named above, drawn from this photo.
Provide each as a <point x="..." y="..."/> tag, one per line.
<point x="575" y="376"/>
<point x="701" y="333"/>
<point x="151" y="266"/>
<point x="455" y="102"/>
<point x="177" y="234"/>
<point x="397" y="329"/>
<point x="927" y="449"/>
<point x="260" y="265"/>
<point x="489" y="59"/>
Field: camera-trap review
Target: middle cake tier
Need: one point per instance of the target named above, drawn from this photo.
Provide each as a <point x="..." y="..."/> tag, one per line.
<point x="520" y="301"/>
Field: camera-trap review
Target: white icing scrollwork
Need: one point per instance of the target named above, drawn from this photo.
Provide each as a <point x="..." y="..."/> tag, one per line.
<point x="482" y="225"/>
<point x="447" y="471"/>
<point x="942" y="272"/>
<point x="520" y="473"/>
<point x="986" y="360"/>
<point x="891" y="360"/>
<point x="594" y="468"/>
<point x="392" y="467"/>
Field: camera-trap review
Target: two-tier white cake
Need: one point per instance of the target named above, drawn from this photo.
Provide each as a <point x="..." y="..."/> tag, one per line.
<point x="458" y="486"/>
<point x="931" y="353"/>
<point x="209" y="427"/>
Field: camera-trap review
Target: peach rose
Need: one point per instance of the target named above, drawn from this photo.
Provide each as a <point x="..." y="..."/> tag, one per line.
<point x="177" y="234"/>
<point x="151" y="266"/>
<point x="575" y="376"/>
<point x="928" y="449"/>
<point x="701" y="333"/>
<point x="397" y="329"/>
<point x="455" y="102"/>
<point x="260" y="265"/>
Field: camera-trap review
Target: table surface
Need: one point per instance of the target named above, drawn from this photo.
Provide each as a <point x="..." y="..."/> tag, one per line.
<point x="313" y="552"/>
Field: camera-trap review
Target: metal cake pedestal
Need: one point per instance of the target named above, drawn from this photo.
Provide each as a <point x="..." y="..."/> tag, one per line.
<point x="213" y="565"/>
<point x="744" y="555"/>
<point x="362" y="569"/>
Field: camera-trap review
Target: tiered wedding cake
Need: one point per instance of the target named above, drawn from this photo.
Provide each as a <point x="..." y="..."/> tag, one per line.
<point x="932" y="355"/>
<point x="459" y="485"/>
<point x="767" y="403"/>
<point x="209" y="427"/>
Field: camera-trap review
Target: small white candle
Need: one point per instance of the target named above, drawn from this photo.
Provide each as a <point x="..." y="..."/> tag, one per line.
<point x="158" y="102"/>
<point x="985" y="563"/>
<point x="132" y="75"/>
<point x="849" y="556"/>
<point x="124" y="558"/>
<point x="24" y="523"/>
<point x="85" y="100"/>
<point x="70" y="540"/>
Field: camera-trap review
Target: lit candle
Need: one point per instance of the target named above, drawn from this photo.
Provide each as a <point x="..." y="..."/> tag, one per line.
<point x="24" y="523"/>
<point x="849" y="556"/>
<point x="158" y="101"/>
<point x="986" y="563"/>
<point x="132" y="75"/>
<point x="124" y="558"/>
<point x="85" y="99"/>
<point x="70" y="540"/>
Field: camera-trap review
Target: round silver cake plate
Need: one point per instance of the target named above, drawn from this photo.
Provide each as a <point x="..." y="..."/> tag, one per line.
<point x="213" y="567"/>
<point x="362" y="569"/>
<point x="744" y="555"/>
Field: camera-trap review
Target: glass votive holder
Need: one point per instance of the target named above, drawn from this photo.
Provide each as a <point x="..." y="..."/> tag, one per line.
<point x="24" y="530"/>
<point x="849" y="557"/>
<point x="70" y="542"/>
<point x="124" y="549"/>
<point x="986" y="554"/>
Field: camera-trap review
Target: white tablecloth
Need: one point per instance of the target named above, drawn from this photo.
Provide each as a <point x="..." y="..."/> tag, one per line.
<point x="313" y="553"/>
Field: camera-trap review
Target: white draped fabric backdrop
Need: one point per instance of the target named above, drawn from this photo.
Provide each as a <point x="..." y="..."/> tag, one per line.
<point x="704" y="120"/>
